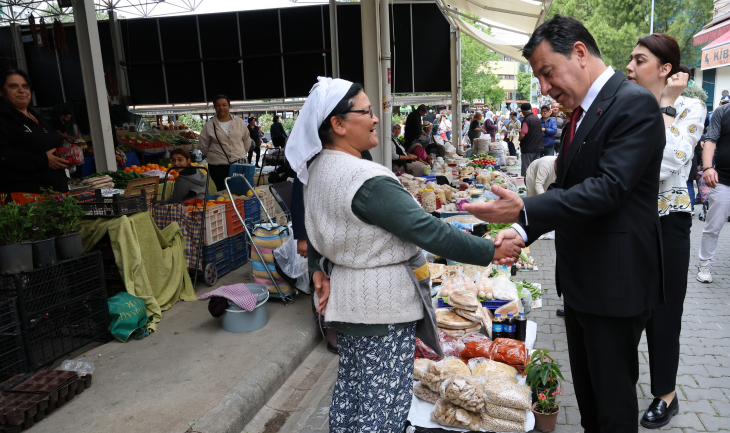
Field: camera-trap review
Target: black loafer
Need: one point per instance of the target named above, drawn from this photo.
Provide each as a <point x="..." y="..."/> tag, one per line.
<point x="560" y="312"/>
<point x="659" y="414"/>
<point x="332" y="349"/>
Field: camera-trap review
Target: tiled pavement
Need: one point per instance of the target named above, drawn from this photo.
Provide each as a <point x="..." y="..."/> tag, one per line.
<point x="704" y="372"/>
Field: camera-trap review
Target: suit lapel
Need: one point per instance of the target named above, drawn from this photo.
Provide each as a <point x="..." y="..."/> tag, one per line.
<point x="598" y="109"/>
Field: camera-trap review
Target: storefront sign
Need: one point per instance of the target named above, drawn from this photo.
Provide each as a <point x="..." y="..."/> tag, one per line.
<point x="716" y="57"/>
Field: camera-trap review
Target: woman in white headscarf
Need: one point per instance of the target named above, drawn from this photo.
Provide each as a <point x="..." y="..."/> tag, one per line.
<point x="370" y="277"/>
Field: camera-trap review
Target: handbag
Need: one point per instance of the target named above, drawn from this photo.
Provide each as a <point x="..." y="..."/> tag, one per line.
<point x="215" y="131"/>
<point x="128" y="317"/>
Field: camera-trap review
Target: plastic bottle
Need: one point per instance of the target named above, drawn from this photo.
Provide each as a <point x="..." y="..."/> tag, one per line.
<point x="509" y="327"/>
<point x="521" y="327"/>
<point x="497" y="327"/>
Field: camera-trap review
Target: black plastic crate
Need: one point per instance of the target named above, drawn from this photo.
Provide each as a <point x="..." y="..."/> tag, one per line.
<point x="113" y="206"/>
<point x="12" y="355"/>
<point x="60" y="331"/>
<point x="48" y="287"/>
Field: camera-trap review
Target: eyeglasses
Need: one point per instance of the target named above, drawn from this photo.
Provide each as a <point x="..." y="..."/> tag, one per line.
<point x="362" y="111"/>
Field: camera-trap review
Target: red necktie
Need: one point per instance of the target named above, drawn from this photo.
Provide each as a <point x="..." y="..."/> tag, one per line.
<point x="573" y="126"/>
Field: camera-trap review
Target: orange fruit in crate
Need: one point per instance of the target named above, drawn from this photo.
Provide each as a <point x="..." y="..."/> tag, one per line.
<point x="133" y="167"/>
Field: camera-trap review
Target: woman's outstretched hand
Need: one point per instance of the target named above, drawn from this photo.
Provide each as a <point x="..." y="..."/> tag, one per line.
<point x="322" y="287"/>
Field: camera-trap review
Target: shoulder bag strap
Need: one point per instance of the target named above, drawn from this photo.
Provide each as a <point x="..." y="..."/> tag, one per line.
<point x="219" y="141"/>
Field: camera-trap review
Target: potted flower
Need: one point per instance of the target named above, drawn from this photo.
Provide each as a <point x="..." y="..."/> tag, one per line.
<point x="41" y="233"/>
<point x="15" y="255"/>
<point x="63" y="213"/>
<point x="546" y="410"/>
<point x="542" y="373"/>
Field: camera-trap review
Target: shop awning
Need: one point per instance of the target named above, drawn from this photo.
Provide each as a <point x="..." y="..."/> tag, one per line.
<point x="521" y="15"/>
<point x="497" y="45"/>
<point x="713" y="30"/>
<point x="717" y="53"/>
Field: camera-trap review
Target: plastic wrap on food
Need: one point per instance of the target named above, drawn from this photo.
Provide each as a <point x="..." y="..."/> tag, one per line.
<point x="513" y="307"/>
<point x="488" y="368"/>
<point x="474" y="316"/>
<point x="464" y="391"/>
<point x="487" y="321"/>
<point x="457" y="365"/>
<point x="490" y="423"/>
<point x="505" y="413"/>
<point x="507" y="394"/>
<point x="474" y="336"/>
<point x="464" y="300"/>
<point x="505" y="350"/>
<point x="450" y="415"/>
<point x="422" y="392"/>
<point x="504" y="289"/>
<point x="420" y="367"/>
<point x="453" y="332"/>
<point x="423" y="351"/>
<point x="447" y="318"/>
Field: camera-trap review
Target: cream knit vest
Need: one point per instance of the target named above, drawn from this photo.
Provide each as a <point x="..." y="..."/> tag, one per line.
<point x="369" y="283"/>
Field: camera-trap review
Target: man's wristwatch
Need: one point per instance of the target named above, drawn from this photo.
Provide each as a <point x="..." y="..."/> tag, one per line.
<point x="669" y="111"/>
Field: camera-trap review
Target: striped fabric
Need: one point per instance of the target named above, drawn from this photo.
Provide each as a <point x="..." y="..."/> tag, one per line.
<point x="189" y="225"/>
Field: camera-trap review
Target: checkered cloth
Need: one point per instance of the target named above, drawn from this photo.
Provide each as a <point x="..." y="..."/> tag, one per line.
<point x="189" y="226"/>
<point x="237" y="293"/>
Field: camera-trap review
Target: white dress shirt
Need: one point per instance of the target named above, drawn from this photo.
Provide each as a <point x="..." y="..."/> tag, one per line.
<point x="586" y="104"/>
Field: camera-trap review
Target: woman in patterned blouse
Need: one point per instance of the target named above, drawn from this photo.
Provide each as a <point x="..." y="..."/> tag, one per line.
<point x="654" y="64"/>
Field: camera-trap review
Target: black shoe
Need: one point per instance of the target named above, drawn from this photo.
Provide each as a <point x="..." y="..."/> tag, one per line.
<point x="560" y="312"/>
<point x="332" y="349"/>
<point x="659" y="414"/>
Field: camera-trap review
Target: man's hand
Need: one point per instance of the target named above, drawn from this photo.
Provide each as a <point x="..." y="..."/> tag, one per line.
<point x="710" y="177"/>
<point x="507" y="247"/>
<point x="302" y="247"/>
<point x="322" y="287"/>
<point x="54" y="162"/>
<point x="505" y="210"/>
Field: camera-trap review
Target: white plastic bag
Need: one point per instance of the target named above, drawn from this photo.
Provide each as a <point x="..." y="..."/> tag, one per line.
<point x="504" y="289"/>
<point x="293" y="264"/>
<point x="80" y="366"/>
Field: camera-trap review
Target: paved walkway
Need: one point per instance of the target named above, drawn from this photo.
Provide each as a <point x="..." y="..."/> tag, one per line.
<point x="703" y="378"/>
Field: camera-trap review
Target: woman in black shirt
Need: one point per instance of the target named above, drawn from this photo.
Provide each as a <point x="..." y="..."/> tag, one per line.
<point x="278" y="135"/>
<point x="253" y="129"/>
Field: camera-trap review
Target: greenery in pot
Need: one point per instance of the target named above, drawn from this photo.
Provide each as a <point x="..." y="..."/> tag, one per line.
<point x="40" y="224"/>
<point x="542" y="371"/>
<point x="63" y="212"/>
<point x="15" y="222"/>
<point x="546" y="403"/>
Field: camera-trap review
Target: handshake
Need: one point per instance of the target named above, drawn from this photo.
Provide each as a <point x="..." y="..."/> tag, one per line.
<point x="508" y="243"/>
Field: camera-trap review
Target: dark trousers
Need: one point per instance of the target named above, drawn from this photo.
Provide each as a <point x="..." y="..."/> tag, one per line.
<point x="218" y="173"/>
<point x="511" y="148"/>
<point x="548" y="151"/>
<point x="278" y="141"/>
<point x="604" y="360"/>
<point x="255" y="148"/>
<point x="527" y="159"/>
<point x="665" y="323"/>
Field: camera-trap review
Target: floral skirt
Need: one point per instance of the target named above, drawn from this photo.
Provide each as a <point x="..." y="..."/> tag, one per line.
<point x="374" y="385"/>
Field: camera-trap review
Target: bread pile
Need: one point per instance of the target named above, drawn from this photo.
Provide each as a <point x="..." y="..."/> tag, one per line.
<point x="466" y="315"/>
<point x="482" y="396"/>
<point x="99" y="182"/>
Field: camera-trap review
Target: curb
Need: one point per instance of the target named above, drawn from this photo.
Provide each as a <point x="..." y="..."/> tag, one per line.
<point x="247" y="397"/>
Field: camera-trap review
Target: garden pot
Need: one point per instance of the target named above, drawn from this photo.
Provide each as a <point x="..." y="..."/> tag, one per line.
<point x="44" y="253"/>
<point x="16" y="258"/>
<point x="69" y="246"/>
<point x="545" y="422"/>
<point x="538" y="390"/>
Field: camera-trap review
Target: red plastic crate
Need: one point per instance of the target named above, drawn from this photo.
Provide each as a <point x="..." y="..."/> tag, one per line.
<point x="233" y="223"/>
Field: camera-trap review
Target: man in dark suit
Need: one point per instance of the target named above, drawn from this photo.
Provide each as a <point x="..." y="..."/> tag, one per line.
<point x="602" y="208"/>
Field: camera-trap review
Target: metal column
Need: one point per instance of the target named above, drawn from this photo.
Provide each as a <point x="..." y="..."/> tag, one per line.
<point x="334" y="45"/>
<point x="371" y="63"/>
<point x="455" y="87"/>
<point x="18" y="47"/>
<point x="385" y="141"/>
<point x="118" y="48"/>
<point x="87" y="34"/>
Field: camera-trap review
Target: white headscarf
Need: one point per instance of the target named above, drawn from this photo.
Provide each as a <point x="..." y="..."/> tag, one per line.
<point x="304" y="143"/>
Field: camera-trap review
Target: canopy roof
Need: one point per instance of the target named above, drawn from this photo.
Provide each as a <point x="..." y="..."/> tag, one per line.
<point x="494" y="44"/>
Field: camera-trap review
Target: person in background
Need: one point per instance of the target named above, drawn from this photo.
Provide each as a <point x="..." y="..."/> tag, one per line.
<point x="654" y="65"/>
<point x="191" y="182"/>
<point x="549" y="129"/>
<point x="530" y="137"/>
<point x="489" y="114"/>
<point x="62" y="124"/>
<point x="560" y="121"/>
<point x="541" y="174"/>
<point x="398" y="152"/>
<point x="465" y="126"/>
<point x="437" y="124"/>
<point x="27" y="142"/>
<point x="431" y="117"/>
<point x="370" y="254"/>
<point x="428" y="141"/>
<point x="278" y="135"/>
<point x="414" y="125"/>
<point x="446" y="126"/>
<point x="513" y="127"/>
<point x="253" y="132"/>
<point x="224" y="140"/>
<point x="490" y="127"/>
<point x="475" y="127"/>
<point x="520" y="117"/>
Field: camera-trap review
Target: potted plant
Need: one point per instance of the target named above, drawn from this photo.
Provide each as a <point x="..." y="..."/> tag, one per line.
<point x="64" y="211"/>
<point x="546" y="410"/>
<point x="40" y="233"/>
<point x="15" y="255"/>
<point x="542" y="373"/>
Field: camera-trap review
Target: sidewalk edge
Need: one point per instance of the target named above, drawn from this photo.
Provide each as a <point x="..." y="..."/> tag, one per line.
<point x="249" y="395"/>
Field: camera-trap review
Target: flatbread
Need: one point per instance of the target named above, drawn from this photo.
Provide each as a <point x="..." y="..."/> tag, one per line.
<point x="464" y="299"/>
<point x="436" y="270"/>
<point x="450" y="320"/>
<point x="474" y="316"/>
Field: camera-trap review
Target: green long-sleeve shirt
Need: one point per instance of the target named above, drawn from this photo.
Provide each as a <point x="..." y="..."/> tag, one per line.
<point x="382" y="201"/>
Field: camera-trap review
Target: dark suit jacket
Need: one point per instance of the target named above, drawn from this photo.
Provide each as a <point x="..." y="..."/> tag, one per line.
<point x="603" y="207"/>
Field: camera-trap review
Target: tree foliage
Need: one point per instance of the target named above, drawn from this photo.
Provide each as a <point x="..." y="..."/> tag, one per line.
<point x="524" y="80"/>
<point x="478" y="80"/>
<point x="194" y="122"/>
<point x="618" y="24"/>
